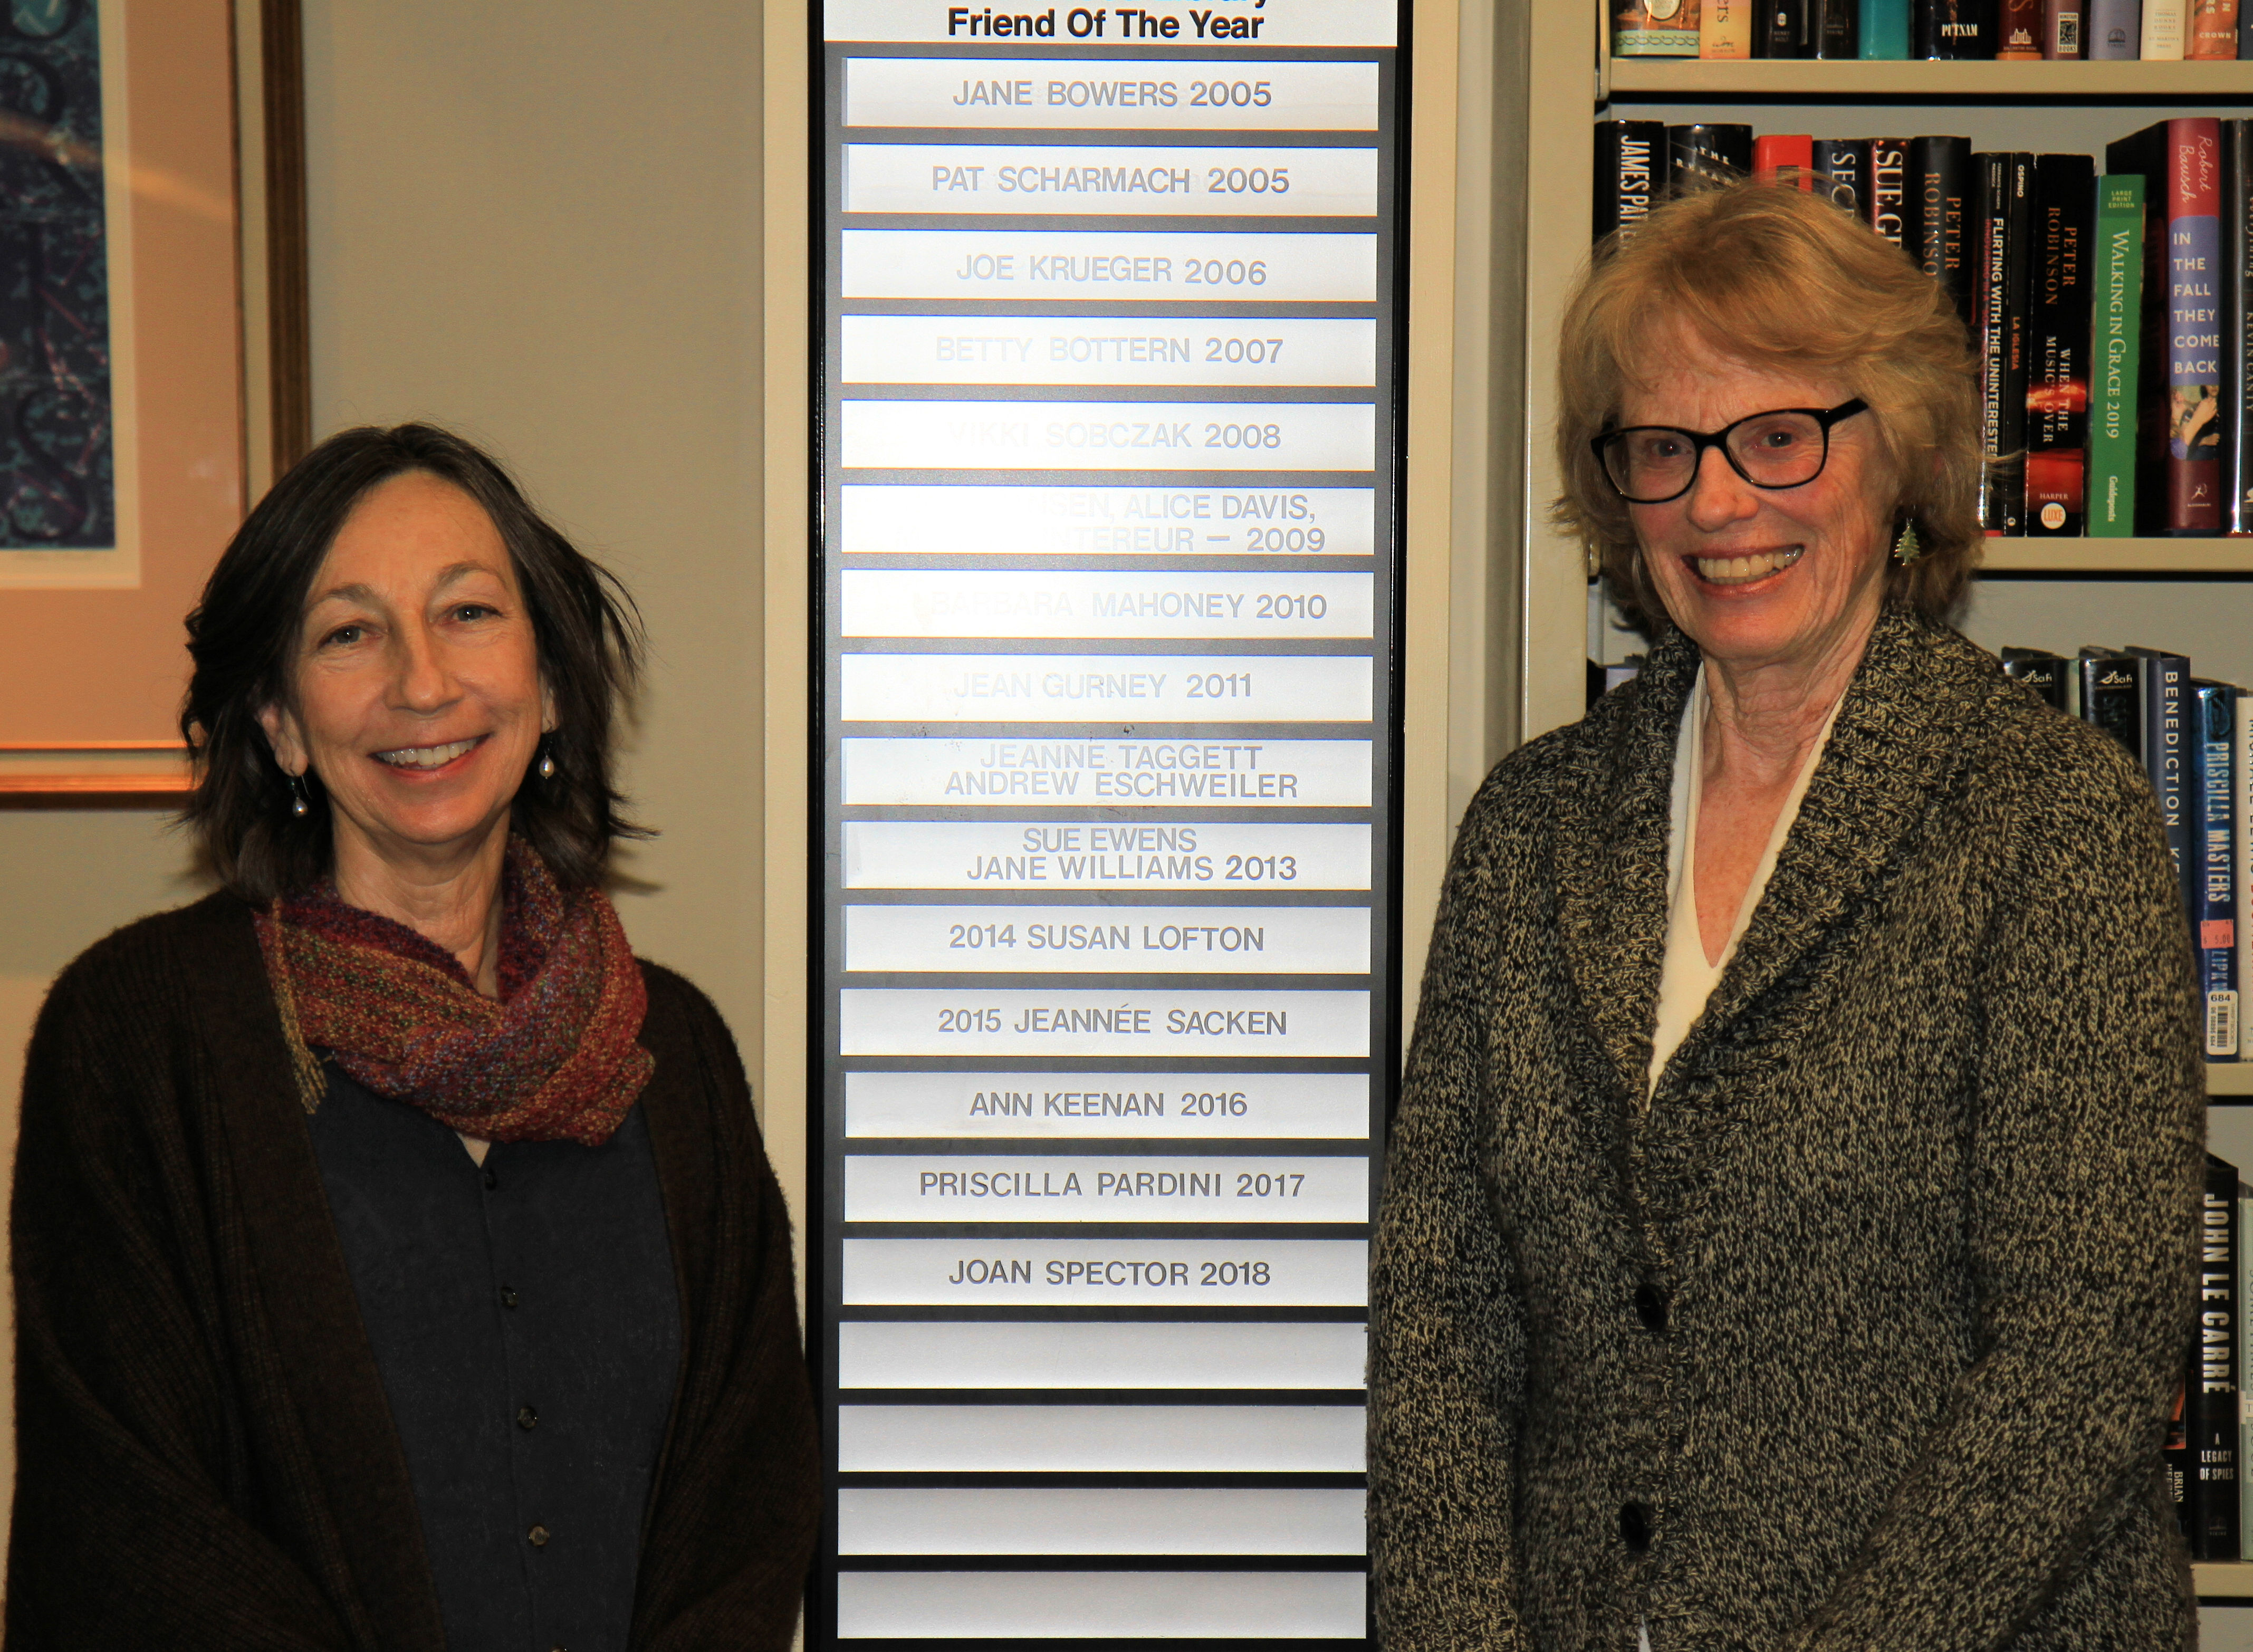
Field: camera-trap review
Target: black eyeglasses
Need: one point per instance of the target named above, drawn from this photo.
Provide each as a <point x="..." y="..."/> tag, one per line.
<point x="1783" y="448"/>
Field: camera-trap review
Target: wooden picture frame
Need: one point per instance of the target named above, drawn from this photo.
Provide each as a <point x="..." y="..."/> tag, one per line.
<point x="128" y="456"/>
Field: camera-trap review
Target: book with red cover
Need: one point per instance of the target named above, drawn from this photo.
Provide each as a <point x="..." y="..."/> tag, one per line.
<point x="2213" y="31"/>
<point x="1784" y="157"/>
<point x="2058" y="316"/>
<point x="2019" y="32"/>
<point x="2179" y="423"/>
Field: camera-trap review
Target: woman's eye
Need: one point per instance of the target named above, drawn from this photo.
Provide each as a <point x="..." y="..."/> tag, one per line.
<point x="473" y="610"/>
<point x="344" y="634"/>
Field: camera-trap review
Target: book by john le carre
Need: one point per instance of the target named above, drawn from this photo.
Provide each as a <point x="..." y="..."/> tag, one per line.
<point x="2115" y="355"/>
<point x="2058" y="332"/>
<point x="1940" y="202"/>
<point x="1630" y="159"/>
<point x="2215" y="1373"/>
<point x="1654" y="29"/>
<point x="1999" y="304"/>
<point x="2178" y="490"/>
<point x="2214" y="870"/>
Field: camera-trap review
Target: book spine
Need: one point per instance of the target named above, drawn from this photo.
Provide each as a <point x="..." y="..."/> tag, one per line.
<point x="1836" y="27"/>
<point x="1786" y="28"/>
<point x="2212" y="1407"/>
<point x="1654" y="29"/>
<point x="2115" y="29"/>
<point x="2243" y="1286"/>
<point x="2108" y="699"/>
<point x="2213" y="31"/>
<point x="2057" y="373"/>
<point x="2163" y="685"/>
<point x="1886" y="205"/>
<point x="1703" y="156"/>
<point x="1954" y="29"/>
<point x="2019" y="32"/>
<point x="2244" y="32"/>
<point x="2240" y="822"/>
<point x="2118" y="331"/>
<point x="2174" y="1454"/>
<point x="2061" y="38"/>
<point x="1999" y="303"/>
<point x="1885" y="29"/>
<point x="1629" y="153"/>
<point x="1725" y="29"/>
<point x="2214" y="915"/>
<point x="1844" y="162"/>
<point x="2236" y="483"/>
<point x="2193" y="427"/>
<point x="1784" y="157"/>
<point x="2162" y="40"/>
<point x="1940" y="186"/>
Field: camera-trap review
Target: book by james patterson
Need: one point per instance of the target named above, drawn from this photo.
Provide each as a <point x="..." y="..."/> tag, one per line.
<point x="1654" y="29"/>
<point x="2214" y="870"/>
<point x="2109" y="697"/>
<point x="2162" y="693"/>
<point x="2216" y="1371"/>
<point x="1629" y="158"/>
<point x="2179" y="444"/>
<point x="2237" y="326"/>
<point x="2057" y="344"/>
<point x="1939" y="199"/>
<point x="1998" y="302"/>
<point x="2118" y="301"/>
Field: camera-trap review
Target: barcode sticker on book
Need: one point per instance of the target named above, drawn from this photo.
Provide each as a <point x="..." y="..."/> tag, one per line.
<point x="2220" y="1024"/>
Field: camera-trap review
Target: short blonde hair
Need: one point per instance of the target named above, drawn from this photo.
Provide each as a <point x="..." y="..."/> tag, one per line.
<point x="1781" y="279"/>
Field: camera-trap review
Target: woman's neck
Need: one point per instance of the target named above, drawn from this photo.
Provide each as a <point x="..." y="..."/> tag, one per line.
<point x="452" y="898"/>
<point x="1762" y="718"/>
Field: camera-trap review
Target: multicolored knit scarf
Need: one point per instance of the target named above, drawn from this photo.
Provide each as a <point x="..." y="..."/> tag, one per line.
<point x="553" y="1059"/>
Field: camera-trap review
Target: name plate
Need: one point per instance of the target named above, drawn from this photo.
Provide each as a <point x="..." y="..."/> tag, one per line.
<point x="1191" y="266"/>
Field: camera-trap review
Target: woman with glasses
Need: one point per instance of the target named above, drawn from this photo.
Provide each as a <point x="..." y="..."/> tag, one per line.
<point x="1787" y="1236"/>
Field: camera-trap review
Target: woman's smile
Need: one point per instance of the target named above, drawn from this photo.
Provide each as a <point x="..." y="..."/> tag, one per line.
<point x="428" y="759"/>
<point x="1745" y="568"/>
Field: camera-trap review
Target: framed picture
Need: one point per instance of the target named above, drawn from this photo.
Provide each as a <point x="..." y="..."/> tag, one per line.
<point x="153" y="373"/>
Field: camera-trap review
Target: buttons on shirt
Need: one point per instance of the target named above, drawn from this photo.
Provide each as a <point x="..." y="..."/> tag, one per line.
<point x="527" y="1419"/>
<point x="1651" y="1307"/>
<point x="508" y="1297"/>
<point x="1635" y="1527"/>
<point x="537" y="1537"/>
<point x="492" y="1178"/>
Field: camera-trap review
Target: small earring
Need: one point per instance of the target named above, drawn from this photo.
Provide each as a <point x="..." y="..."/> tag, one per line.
<point x="297" y="804"/>
<point x="547" y="762"/>
<point x="1908" y="547"/>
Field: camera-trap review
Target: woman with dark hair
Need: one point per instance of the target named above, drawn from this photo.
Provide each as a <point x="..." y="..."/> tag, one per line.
<point x="397" y="1264"/>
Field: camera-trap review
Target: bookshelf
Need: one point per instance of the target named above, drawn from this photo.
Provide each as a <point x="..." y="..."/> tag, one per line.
<point x="2096" y="586"/>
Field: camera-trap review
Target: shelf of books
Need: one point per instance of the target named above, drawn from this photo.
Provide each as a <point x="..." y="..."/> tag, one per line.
<point x="1873" y="82"/>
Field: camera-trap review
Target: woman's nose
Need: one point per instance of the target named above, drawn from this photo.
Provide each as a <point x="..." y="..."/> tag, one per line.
<point x="422" y="681"/>
<point x="1717" y="495"/>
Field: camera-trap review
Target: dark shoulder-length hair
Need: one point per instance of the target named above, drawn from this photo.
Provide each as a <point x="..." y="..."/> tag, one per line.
<point x="244" y="634"/>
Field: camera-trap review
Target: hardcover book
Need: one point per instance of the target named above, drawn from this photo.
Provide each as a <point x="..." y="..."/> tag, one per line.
<point x="1954" y="29"/>
<point x="1725" y="29"/>
<point x="2115" y="29"/>
<point x="1629" y="155"/>
<point x="2109" y="697"/>
<point x="1705" y="155"/>
<point x="2164" y="29"/>
<point x="2038" y="670"/>
<point x="1784" y="157"/>
<point x="2179" y="487"/>
<point x="2019" y="34"/>
<point x="1940" y="193"/>
<point x="2058" y="335"/>
<point x="1836" y="27"/>
<point x="2000" y="304"/>
<point x="1654" y="29"/>
<point x="2240" y="822"/>
<point x="2119" y="301"/>
<point x="1842" y="166"/>
<point x="2213" y="31"/>
<point x="1885" y="208"/>
<point x="2216" y="1372"/>
<point x="2214" y="910"/>
<point x="1786" y="28"/>
<point x="1885" y="29"/>
<point x="2243" y="1286"/>
<point x="2237" y="326"/>
<point x="2163" y="695"/>
<point x="2061" y="37"/>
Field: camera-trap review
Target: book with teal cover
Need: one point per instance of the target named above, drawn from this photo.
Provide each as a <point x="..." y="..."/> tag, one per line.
<point x="2119" y="305"/>
<point x="1885" y="29"/>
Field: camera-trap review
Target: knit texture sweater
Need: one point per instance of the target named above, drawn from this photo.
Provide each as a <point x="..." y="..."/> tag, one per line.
<point x="1862" y="1334"/>
<point x="205" y="1458"/>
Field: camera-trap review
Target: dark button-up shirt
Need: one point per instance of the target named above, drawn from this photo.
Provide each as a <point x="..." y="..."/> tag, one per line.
<point x="525" y="1319"/>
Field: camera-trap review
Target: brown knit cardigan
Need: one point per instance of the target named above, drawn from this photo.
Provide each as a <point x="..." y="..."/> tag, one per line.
<point x="205" y="1458"/>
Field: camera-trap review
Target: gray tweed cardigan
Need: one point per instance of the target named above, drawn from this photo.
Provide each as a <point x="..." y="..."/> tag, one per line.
<point x="1862" y="1334"/>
